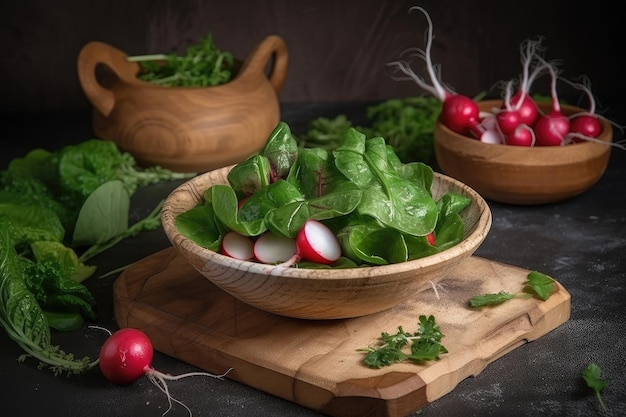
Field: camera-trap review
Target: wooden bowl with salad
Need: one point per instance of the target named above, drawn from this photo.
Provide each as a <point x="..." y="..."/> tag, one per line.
<point x="524" y="175"/>
<point x="192" y="112"/>
<point x="371" y="259"/>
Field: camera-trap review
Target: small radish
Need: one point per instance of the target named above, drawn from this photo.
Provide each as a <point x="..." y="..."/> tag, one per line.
<point x="271" y="249"/>
<point x="237" y="246"/>
<point x="127" y="355"/>
<point x="459" y="113"/>
<point x="431" y="239"/>
<point x="315" y="242"/>
<point x="523" y="135"/>
<point x="521" y="101"/>
<point x="551" y="129"/>
<point x="585" y="125"/>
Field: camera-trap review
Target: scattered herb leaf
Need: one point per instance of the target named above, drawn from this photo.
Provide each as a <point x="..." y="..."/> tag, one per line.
<point x="591" y="375"/>
<point x="537" y="283"/>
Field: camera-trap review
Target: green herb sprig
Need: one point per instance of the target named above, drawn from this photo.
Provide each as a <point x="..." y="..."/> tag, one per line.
<point x="591" y="375"/>
<point x="537" y="284"/>
<point x="202" y="65"/>
<point x="419" y="346"/>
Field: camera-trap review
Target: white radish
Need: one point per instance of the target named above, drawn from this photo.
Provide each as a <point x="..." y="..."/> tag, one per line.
<point x="271" y="249"/>
<point x="237" y="246"/>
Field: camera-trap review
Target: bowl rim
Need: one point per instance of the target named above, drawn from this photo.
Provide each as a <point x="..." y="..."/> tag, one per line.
<point x="464" y="248"/>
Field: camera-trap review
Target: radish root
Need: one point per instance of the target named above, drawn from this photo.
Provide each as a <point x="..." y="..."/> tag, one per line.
<point x="159" y="380"/>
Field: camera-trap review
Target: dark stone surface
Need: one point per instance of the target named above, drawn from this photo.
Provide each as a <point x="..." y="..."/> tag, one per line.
<point x="580" y="242"/>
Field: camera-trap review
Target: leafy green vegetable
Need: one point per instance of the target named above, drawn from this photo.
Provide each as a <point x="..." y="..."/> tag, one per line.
<point x="419" y="346"/>
<point x="22" y="317"/>
<point x="54" y="204"/>
<point x="202" y="65"/>
<point x="591" y="375"/>
<point x="407" y="124"/>
<point x="537" y="283"/>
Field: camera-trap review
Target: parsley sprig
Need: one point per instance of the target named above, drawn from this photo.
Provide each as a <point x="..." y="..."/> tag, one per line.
<point x="419" y="346"/>
<point x="537" y="284"/>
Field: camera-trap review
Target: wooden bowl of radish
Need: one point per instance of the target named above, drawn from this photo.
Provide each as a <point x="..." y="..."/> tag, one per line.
<point x="524" y="175"/>
<point x="323" y="284"/>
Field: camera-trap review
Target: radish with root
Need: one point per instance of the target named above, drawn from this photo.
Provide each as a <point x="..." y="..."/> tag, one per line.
<point x="127" y="355"/>
<point x="552" y="128"/>
<point x="520" y="105"/>
<point x="459" y="113"/>
<point x="315" y="242"/>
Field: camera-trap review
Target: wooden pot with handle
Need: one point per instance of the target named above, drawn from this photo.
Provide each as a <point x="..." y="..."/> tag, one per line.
<point x="186" y="129"/>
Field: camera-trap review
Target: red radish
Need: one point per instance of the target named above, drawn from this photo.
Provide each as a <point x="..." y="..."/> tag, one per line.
<point x="521" y="101"/>
<point x="523" y="135"/>
<point x="585" y="125"/>
<point x="127" y="355"/>
<point x="271" y="249"/>
<point x="551" y="129"/>
<point x="431" y="239"/>
<point x="237" y="246"/>
<point x="315" y="242"/>
<point x="459" y="113"/>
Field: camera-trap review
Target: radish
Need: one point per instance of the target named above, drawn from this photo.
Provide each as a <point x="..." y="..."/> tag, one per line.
<point x="271" y="249"/>
<point x="522" y="102"/>
<point x="315" y="242"/>
<point x="127" y="355"/>
<point x="551" y="129"/>
<point x="431" y="239"/>
<point x="585" y="125"/>
<point x="237" y="246"/>
<point x="523" y="135"/>
<point x="459" y="113"/>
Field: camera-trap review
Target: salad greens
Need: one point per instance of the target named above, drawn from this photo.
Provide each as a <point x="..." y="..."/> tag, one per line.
<point x="58" y="210"/>
<point x="202" y="65"/>
<point x="419" y="346"/>
<point x="380" y="209"/>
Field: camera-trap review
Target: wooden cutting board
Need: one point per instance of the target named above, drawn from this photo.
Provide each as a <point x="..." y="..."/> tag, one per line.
<point x="315" y="363"/>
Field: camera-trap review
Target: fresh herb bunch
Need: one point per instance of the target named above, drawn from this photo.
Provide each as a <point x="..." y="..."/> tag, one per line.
<point x="407" y="124"/>
<point x="419" y="346"/>
<point x="202" y="65"/>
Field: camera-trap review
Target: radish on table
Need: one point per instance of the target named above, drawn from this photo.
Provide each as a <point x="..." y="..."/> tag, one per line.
<point x="127" y="355"/>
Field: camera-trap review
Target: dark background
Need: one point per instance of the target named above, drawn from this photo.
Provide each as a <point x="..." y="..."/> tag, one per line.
<point x="338" y="49"/>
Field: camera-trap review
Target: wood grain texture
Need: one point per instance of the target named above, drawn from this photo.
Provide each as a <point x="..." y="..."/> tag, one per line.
<point x="315" y="363"/>
<point x="188" y="129"/>
<point x="329" y="293"/>
<point x="523" y="175"/>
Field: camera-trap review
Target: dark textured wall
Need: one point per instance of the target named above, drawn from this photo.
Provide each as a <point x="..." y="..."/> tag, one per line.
<point x="338" y="49"/>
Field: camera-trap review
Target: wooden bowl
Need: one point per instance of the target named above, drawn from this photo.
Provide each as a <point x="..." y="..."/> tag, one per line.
<point x="188" y="129"/>
<point x="523" y="175"/>
<point x="322" y="293"/>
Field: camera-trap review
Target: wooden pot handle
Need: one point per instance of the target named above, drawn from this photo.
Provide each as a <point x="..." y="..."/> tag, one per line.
<point x="272" y="46"/>
<point x="96" y="53"/>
